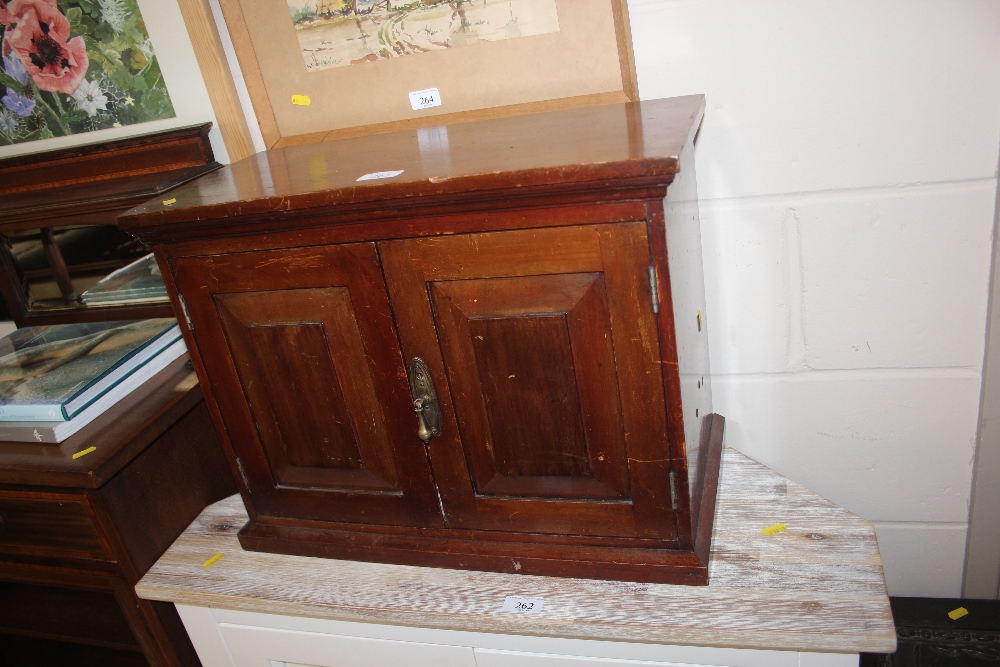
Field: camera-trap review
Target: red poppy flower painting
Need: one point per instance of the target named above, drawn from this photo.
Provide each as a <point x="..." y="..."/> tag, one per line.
<point x="72" y="66"/>
<point x="41" y="39"/>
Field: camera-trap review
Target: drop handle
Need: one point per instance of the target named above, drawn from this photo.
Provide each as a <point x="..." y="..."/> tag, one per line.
<point x="425" y="402"/>
<point x="424" y="432"/>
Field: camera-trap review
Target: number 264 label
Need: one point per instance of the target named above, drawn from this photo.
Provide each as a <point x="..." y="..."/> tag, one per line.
<point x="425" y="99"/>
<point x="523" y="605"/>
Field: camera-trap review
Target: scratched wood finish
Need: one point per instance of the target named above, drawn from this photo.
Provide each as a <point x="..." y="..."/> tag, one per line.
<point x="515" y="259"/>
<point x="494" y="162"/>
<point x="816" y="587"/>
<point x="340" y="362"/>
<point x="495" y="284"/>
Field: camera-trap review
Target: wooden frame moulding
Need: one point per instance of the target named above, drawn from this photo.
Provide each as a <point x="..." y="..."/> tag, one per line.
<point x="232" y="122"/>
<point x="218" y="77"/>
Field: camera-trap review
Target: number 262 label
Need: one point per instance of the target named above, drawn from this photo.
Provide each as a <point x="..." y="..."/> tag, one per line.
<point x="523" y="605"/>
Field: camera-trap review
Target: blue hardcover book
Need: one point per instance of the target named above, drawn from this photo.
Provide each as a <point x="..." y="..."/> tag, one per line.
<point x="52" y="373"/>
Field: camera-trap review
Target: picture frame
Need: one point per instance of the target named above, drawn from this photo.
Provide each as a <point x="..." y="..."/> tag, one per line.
<point x="589" y="61"/>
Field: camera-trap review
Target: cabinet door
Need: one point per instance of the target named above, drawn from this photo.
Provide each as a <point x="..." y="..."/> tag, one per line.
<point x="267" y="647"/>
<point x="304" y="363"/>
<point x="544" y="352"/>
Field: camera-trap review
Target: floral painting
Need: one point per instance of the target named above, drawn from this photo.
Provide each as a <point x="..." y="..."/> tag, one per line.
<point x="337" y="33"/>
<point x="72" y="66"/>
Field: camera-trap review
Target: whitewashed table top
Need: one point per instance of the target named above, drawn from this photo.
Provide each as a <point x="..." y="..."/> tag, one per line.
<point x="816" y="587"/>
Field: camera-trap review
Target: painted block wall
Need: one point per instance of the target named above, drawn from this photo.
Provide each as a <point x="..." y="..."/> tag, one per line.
<point x="185" y="84"/>
<point x="847" y="169"/>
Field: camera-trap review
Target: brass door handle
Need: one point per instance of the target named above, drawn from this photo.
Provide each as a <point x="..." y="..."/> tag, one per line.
<point x="425" y="402"/>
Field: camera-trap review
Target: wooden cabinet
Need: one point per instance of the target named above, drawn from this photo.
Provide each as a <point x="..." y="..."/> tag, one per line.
<point x="496" y="360"/>
<point x="57" y="221"/>
<point x="76" y="534"/>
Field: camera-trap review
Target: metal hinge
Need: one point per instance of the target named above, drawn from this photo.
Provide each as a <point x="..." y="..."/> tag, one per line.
<point x="654" y="291"/>
<point x="184" y="310"/>
<point x="243" y="473"/>
<point x="673" y="490"/>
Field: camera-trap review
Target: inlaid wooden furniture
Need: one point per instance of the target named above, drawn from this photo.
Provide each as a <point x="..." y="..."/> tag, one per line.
<point x="61" y="206"/>
<point x="76" y="534"/>
<point x="812" y="596"/>
<point x="493" y="356"/>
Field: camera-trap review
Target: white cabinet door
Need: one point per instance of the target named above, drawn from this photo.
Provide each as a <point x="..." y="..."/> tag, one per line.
<point x="491" y="658"/>
<point x="261" y="647"/>
<point x="495" y="658"/>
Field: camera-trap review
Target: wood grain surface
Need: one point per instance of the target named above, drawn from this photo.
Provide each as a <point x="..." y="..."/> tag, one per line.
<point x="119" y="435"/>
<point x="635" y="143"/>
<point x="816" y="587"/>
<point x="214" y="67"/>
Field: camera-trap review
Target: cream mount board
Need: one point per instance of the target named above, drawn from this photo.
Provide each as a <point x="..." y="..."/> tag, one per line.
<point x="588" y="61"/>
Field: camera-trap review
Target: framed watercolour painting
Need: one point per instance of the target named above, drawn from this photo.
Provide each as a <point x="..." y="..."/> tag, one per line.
<point x="73" y="66"/>
<point x="340" y="33"/>
<point x="324" y="69"/>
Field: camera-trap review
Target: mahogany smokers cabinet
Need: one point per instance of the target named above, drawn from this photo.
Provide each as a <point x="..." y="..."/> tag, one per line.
<point x="478" y="346"/>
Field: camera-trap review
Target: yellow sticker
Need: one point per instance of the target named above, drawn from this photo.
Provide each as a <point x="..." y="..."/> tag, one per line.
<point x="956" y="614"/>
<point x="301" y="100"/>
<point x="213" y="560"/>
<point x="168" y="202"/>
<point x="776" y="528"/>
<point x="85" y="452"/>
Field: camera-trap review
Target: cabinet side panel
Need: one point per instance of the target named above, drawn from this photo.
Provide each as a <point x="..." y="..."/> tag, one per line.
<point x="687" y="289"/>
<point x="65" y="614"/>
<point x="151" y="502"/>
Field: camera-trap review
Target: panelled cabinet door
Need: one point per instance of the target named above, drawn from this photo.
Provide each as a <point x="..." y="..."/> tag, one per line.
<point x="322" y="422"/>
<point x="544" y="352"/>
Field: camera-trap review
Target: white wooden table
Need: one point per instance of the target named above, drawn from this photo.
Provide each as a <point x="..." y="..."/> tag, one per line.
<point x="811" y="596"/>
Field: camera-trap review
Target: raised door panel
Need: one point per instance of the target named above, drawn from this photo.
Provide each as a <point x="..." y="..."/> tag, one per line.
<point x="316" y="442"/>
<point x="533" y="379"/>
<point x="307" y="374"/>
<point x="544" y="350"/>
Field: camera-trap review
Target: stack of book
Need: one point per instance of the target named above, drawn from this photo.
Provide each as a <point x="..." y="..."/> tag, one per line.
<point x="54" y="380"/>
<point x="139" y="282"/>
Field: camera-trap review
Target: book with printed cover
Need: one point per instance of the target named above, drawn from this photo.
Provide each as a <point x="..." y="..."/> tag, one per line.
<point x="55" y="432"/>
<point x="139" y="282"/>
<point x="52" y="373"/>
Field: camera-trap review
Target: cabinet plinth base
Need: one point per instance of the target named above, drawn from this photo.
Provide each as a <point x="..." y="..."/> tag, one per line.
<point x="660" y="566"/>
<point x="383" y="544"/>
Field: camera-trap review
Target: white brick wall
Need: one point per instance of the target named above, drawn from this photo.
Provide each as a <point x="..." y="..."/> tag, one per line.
<point x="847" y="167"/>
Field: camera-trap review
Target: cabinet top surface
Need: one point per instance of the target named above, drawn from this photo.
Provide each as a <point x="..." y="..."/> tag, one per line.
<point x="818" y="586"/>
<point x="583" y="145"/>
<point x="118" y="435"/>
